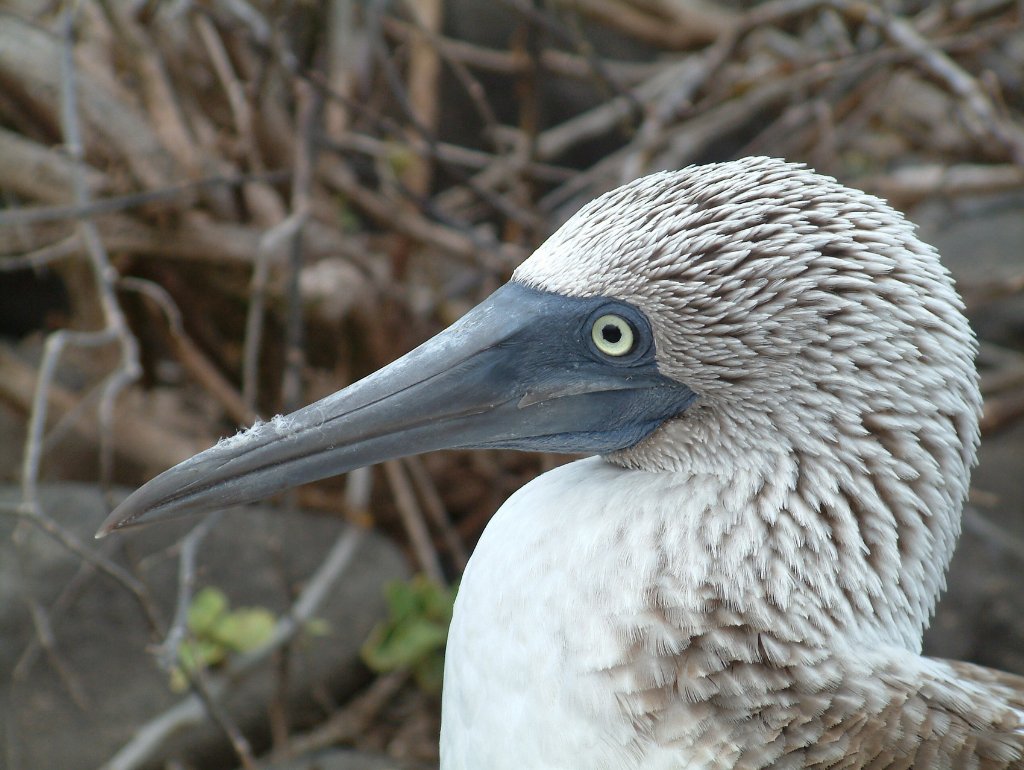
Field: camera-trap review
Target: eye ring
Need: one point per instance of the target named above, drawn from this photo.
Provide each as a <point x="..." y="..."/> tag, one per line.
<point x="613" y="335"/>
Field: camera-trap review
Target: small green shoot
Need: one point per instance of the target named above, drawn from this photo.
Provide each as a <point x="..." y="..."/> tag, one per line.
<point x="414" y="635"/>
<point x="400" y="157"/>
<point x="216" y="631"/>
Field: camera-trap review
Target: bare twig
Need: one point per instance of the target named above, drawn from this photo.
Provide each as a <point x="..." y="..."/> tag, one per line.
<point x="302" y="187"/>
<point x="116" y="329"/>
<point x="345" y="65"/>
<point x="470" y="84"/>
<point x="241" y="111"/>
<point x="129" y="368"/>
<point x="429" y="139"/>
<point x="64" y="600"/>
<point x="555" y="141"/>
<point x="28" y="55"/>
<point x="566" y="34"/>
<point x="31" y="512"/>
<point x="138" y="436"/>
<point x="412" y="518"/>
<point x="1001" y="411"/>
<point x="910" y="184"/>
<point x="167" y="652"/>
<point x="44" y="632"/>
<point x="352" y="720"/>
<point x="36" y="172"/>
<point x="424" y="81"/>
<point x="52" y="351"/>
<point x="189" y="711"/>
<point x="452" y="155"/>
<point x="172" y="195"/>
<point x="39" y="258"/>
<point x="672" y="25"/>
<point x="495" y="257"/>
<point x="987" y="122"/>
<point x="270" y="244"/>
<point x="189" y="354"/>
<point x="436" y="510"/>
<point x="199" y="682"/>
<point x="462" y="52"/>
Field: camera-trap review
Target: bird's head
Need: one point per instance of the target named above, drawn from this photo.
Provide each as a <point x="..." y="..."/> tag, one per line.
<point x="800" y="312"/>
<point x="713" y="308"/>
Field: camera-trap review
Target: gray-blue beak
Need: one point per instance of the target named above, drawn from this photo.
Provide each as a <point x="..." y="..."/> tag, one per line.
<point x="523" y="370"/>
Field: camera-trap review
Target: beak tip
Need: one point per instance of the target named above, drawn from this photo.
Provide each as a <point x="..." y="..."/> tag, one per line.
<point x="117" y="520"/>
<point x="106" y="528"/>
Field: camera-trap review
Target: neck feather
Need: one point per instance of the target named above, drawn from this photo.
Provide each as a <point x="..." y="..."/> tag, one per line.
<point x="840" y="533"/>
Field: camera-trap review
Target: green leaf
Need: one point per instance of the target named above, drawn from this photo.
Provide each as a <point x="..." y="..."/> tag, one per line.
<point x="414" y="635"/>
<point x="402" y="600"/>
<point x="216" y="631"/>
<point x="404" y="646"/>
<point x="439" y="602"/>
<point x="206" y="608"/>
<point x="195" y="653"/>
<point x="244" y="629"/>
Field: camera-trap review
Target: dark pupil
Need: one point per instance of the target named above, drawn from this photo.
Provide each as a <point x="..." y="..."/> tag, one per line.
<point x="611" y="333"/>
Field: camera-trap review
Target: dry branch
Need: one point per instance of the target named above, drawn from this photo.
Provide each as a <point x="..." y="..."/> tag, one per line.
<point x="138" y="438"/>
<point x="30" y="70"/>
<point x="671" y="24"/>
<point x="911" y="184"/>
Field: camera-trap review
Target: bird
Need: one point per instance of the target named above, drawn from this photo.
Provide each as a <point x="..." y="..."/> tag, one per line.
<point x="773" y="382"/>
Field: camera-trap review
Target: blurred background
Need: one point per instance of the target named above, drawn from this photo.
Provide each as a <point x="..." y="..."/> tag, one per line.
<point x="216" y="210"/>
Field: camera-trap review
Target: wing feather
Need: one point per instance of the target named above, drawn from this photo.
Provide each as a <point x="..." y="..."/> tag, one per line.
<point x="889" y="709"/>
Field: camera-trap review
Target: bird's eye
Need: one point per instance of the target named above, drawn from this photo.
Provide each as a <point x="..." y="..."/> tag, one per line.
<point x="613" y="335"/>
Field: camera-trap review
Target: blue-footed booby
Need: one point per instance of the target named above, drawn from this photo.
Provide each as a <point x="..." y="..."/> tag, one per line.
<point x="777" y="381"/>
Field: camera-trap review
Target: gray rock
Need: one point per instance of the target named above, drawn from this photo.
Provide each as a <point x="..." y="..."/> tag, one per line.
<point x="258" y="557"/>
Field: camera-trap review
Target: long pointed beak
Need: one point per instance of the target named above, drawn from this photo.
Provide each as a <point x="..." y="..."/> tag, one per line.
<point x="515" y="372"/>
